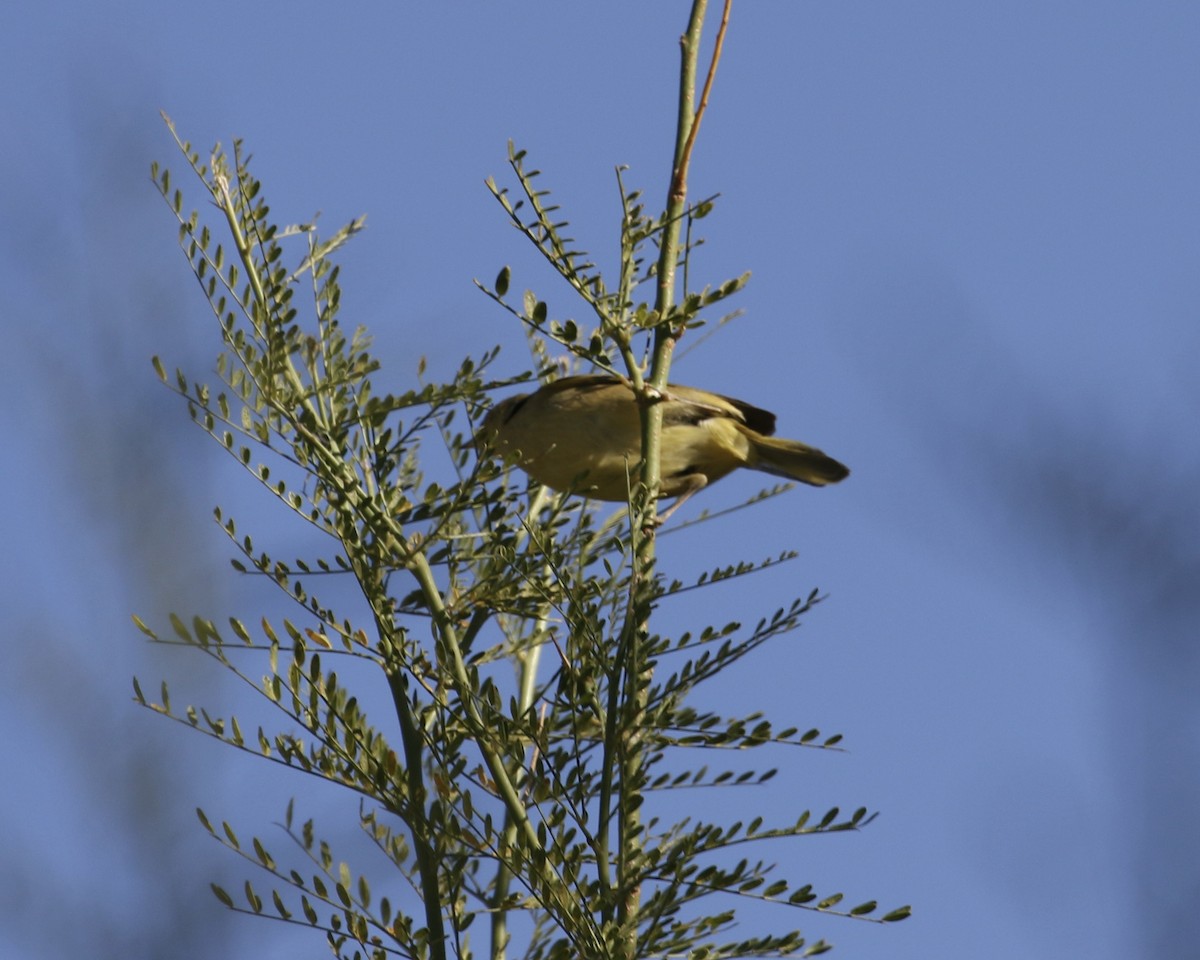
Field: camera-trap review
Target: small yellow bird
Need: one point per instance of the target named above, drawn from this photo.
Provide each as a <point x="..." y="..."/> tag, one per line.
<point x="583" y="435"/>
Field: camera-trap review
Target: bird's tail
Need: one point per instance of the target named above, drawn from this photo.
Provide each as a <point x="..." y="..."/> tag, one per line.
<point x="793" y="460"/>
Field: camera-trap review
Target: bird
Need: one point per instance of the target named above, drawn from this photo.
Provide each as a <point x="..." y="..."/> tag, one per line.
<point x="582" y="434"/>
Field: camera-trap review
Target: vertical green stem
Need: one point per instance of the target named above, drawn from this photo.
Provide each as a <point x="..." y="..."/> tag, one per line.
<point x="632" y="673"/>
<point x="428" y="867"/>
<point x="528" y="666"/>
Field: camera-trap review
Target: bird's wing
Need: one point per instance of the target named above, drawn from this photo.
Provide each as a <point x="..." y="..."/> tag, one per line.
<point x="692" y="405"/>
<point x="584" y="382"/>
<point x="697" y="405"/>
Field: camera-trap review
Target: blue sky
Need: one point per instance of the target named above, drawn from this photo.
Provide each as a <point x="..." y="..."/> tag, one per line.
<point x="974" y="232"/>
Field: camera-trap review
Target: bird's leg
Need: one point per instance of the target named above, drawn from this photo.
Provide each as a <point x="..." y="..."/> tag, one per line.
<point x="694" y="484"/>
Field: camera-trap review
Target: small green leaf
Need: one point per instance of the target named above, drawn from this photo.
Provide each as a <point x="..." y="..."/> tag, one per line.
<point x="253" y="898"/>
<point x="803" y="895"/>
<point x="180" y="629"/>
<point x="141" y="625"/>
<point x="240" y="631"/>
<point x="263" y="857"/>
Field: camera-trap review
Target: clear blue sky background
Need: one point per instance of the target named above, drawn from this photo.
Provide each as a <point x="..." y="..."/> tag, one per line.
<point x="975" y="236"/>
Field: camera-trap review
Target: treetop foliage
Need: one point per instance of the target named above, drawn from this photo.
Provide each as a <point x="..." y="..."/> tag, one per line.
<point x="535" y="714"/>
